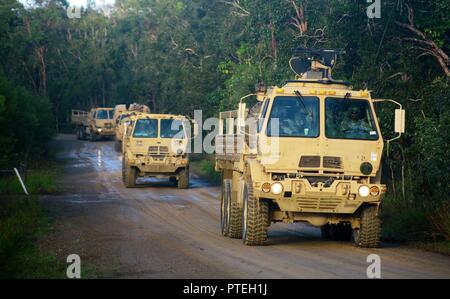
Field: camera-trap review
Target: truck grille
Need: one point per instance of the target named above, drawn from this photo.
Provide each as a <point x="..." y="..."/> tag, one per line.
<point x="155" y="150"/>
<point x="309" y="161"/>
<point x="163" y="149"/>
<point x="332" y="162"/>
<point x="318" y="204"/>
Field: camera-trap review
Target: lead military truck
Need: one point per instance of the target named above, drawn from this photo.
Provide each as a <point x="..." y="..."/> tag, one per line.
<point x="155" y="145"/>
<point x="93" y="125"/>
<point x="308" y="151"/>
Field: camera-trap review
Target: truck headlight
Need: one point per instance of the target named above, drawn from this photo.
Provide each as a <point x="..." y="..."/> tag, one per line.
<point x="276" y="188"/>
<point x="99" y="130"/>
<point x="364" y="191"/>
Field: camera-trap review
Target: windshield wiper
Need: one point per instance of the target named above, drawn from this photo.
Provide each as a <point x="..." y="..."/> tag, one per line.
<point x="302" y="100"/>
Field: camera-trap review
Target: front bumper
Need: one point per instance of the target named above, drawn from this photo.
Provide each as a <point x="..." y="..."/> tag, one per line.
<point x="341" y="197"/>
<point x="159" y="164"/>
<point x="105" y="132"/>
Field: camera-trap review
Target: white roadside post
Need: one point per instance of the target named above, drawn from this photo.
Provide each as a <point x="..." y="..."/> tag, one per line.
<point x="21" y="181"/>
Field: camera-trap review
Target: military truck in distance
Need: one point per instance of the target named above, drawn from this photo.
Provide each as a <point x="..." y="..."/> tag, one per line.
<point x="122" y="117"/>
<point x="309" y="152"/>
<point x="122" y="121"/>
<point x="118" y="110"/>
<point x="95" y="125"/>
<point x="155" y="145"/>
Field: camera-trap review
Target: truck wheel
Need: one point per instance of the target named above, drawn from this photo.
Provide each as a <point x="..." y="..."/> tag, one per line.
<point x="255" y="217"/>
<point x="183" y="181"/>
<point x="77" y="133"/>
<point x="325" y="231"/>
<point x="124" y="164"/>
<point x="368" y="235"/>
<point x="93" y="137"/>
<point x="129" y="174"/>
<point x="225" y="207"/>
<point x="118" y="145"/>
<point x="341" y="232"/>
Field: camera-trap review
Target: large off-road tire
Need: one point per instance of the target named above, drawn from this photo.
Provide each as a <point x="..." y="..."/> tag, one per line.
<point x="118" y="145"/>
<point x="325" y="231"/>
<point x="129" y="174"/>
<point x="233" y="213"/>
<point x="368" y="235"/>
<point x="255" y="216"/>
<point x="92" y="137"/>
<point x="341" y="232"/>
<point x="83" y="134"/>
<point x="183" y="180"/>
<point x="225" y="207"/>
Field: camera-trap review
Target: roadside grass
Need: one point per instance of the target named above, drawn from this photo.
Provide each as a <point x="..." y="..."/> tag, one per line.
<point x="22" y="222"/>
<point x="203" y="165"/>
<point x="423" y="226"/>
<point x="442" y="247"/>
<point x="36" y="182"/>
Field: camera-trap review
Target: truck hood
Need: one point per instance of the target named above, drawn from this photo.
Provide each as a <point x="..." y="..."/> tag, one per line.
<point x="104" y="123"/>
<point x="158" y="146"/>
<point x="322" y="155"/>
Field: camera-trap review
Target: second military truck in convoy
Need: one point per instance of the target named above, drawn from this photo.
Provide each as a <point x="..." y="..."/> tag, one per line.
<point x="308" y="151"/>
<point x="94" y="125"/>
<point x="122" y="116"/>
<point x="156" y="145"/>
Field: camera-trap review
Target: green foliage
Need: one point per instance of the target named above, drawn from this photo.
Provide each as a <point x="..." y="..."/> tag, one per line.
<point x="26" y="122"/>
<point x="37" y="182"/>
<point x="207" y="168"/>
<point x="22" y="222"/>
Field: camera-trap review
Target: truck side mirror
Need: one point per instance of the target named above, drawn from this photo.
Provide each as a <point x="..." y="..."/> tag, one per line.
<point x="399" y="121"/>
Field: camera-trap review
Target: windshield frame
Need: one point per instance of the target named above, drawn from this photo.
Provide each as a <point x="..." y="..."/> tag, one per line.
<point x="372" y="115"/>
<point x="268" y="116"/>
<point x="143" y="119"/>
<point x="172" y="120"/>
<point x="109" y="113"/>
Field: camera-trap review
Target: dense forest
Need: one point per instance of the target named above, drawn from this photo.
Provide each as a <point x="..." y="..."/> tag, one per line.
<point x="181" y="55"/>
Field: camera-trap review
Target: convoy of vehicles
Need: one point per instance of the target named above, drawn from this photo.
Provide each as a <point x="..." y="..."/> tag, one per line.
<point x="155" y="145"/>
<point x="309" y="151"/>
<point x="94" y="125"/>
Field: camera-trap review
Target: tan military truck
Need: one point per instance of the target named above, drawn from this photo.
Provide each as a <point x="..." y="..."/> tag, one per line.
<point x="118" y="110"/>
<point x="121" y="117"/>
<point x="123" y="120"/>
<point x="309" y="152"/>
<point x="95" y="125"/>
<point x="155" y="145"/>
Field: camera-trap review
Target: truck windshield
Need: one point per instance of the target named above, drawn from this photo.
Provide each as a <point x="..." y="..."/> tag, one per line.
<point x="297" y="117"/>
<point x="349" y="119"/>
<point x="146" y="128"/>
<point x="104" y="114"/>
<point x="172" y="128"/>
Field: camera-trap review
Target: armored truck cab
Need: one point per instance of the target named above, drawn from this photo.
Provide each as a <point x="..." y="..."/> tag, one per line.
<point x="310" y="152"/>
<point x="155" y="145"/>
<point x="96" y="124"/>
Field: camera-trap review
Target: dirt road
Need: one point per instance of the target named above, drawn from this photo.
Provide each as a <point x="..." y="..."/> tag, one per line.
<point x="158" y="231"/>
